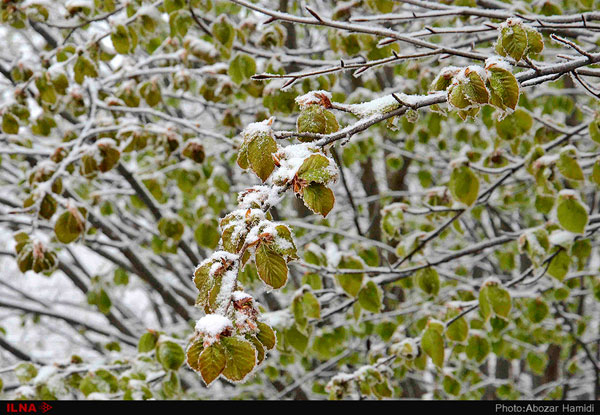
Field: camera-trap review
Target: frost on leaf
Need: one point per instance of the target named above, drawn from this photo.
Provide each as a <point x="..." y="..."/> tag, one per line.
<point x="216" y="277"/>
<point x="464" y="184"/>
<point x="518" y="40"/>
<point x="502" y="84"/>
<point x="468" y="91"/>
<point x="257" y="149"/>
<point x="317" y="120"/>
<point x="230" y="346"/>
<point x="322" y="98"/>
<point x="33" y="254"/>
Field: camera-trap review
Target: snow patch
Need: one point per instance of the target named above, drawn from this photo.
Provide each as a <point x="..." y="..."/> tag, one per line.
<point x="212" y="325"/>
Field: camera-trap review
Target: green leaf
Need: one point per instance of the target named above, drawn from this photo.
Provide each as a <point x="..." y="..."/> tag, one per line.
<point x="271" y="266"/>
<point x="241" y="68"/>
<point x="110" y="156"/>
<point x="193" y="354"/>
<point x="594" y="129"/>
<point x="370" y="296"/>
<point x="298" y="313"/>
<point x="318" y="198"/>
<point x="543" y="203"/>
<point x="211" y="362"/>
<point x="458" y="331"/>
<point x="513" y="40"/>
<point x="207" y="234"/>
<point x="514" y="125"/>
<point x="432" y="343"/>
<point x="464" y="185"/>
<point x="570" y="213"/>
<point x="537" y="310"/>
<point x="147" y="342"/>
<point x="457" y="96"/>
<point x="595" y="176"/>
<point x="559" y="265"/>
<point x="311" y="306"/>
<point x="242" y="158"/>
<point x="284" y="242"/>
<point x="315" y="169"/>
<point x="172" y="386"/>
<point x="171" y="228"/>
<point x="451" y="385"/>
<point x="296" y="339"/>
<point x="240" y="356"/>
<point x="170" y="355"/>
<point x="569" y="167"/>
<point x="504" y="86"/>
<point x="151" y="93"/>
<point x="266" y="335"/>
<point x="46" y="89"/>
<point x="317" y="120"/>
<point x="103" y="302"/>
<point x="493" y="298"/>
<point x="120" y="40"/>
<point x="223" y="31"/>
<point x="475" y="89"/>
<point x="25" y="372"/>
<point x="120" y="277"/>
<point x="84" y="68"/>
<point x="172" y="5"/>
<point x="477" y="348"/>
<point x="537" y="362"/>
<point x="535" y="42"/>
<point x="350" y="283"/>
<point x="428" y="280"/>
<point x="259" y="155"/>
<point x="70" y="225"/>
<point x="10" y="124"/>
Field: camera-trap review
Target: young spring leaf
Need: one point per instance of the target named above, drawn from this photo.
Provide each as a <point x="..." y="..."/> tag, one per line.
<point x="350" y="283"/>
<point x="316" y="119"/>
<point x="504" y="88"/>
<point x="170" y="355"/>
<point x="594" y="129"/>
<point x="211" y="362"/>
<point x="369" y="297"/>
<point x="432" y="343"/>
<point x="70" y="225"/>
<point x="494" y="300"/>
<point x="147" y="342"/>
<point x="571" y="214"/>
<point x="318" y="198"/>
<point x="537" y="310"/>
<point x="477" y="348"/>
<point x="240" y="358"/>
<point x="258" y="154"/>
<point x="266" y="335"/>
<point x="559" y="265"/>
<point x="512" y="40"/>
<point x="271" y="266"/>
<point x="428" y="280"/>
<point x="464" y="185"/>
<point x="241" y="68"/>
<point x="315" y="169"/>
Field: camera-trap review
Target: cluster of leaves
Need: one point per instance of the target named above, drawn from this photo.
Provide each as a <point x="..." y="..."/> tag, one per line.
<point x="127" y="380"/>
<point x="122" y="138"/>
<point x="235" y="348"/>
<point x="34" y="255"/>
<point x="518" y="40"/>
<point x="471" y="87"/>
